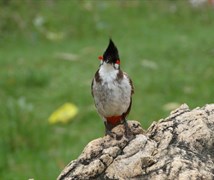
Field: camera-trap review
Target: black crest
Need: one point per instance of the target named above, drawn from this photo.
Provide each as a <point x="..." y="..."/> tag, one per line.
<point x="111" y="54"/>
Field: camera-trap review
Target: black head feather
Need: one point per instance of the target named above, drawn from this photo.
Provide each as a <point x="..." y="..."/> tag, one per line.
<point x="111" y="54"/>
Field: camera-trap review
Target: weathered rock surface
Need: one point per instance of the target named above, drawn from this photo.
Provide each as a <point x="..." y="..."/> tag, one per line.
<point x="179" y="147"/>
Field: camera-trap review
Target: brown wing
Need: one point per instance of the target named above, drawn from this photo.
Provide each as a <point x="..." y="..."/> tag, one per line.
<point x="130" y="81"/>
<point x="92" y="83"/>
<point x="132" y="92"/>
<point x="97" y="79"/>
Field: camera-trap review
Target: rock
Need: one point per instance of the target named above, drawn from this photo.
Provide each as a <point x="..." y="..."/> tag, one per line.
<point x="179" y="147"/>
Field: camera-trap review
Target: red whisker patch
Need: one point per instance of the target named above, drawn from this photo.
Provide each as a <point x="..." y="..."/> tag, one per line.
<point x="100" y="57"/>
<point x="118" y="61"/>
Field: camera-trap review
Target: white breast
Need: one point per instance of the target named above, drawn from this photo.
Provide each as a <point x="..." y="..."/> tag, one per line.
<point x="112" y="98"/>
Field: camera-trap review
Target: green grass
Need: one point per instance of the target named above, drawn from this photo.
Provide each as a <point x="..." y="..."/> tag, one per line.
<point x="166" y="47"/>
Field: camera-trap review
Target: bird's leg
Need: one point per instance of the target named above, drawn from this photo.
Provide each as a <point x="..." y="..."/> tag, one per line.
<point x="108" y="129"/>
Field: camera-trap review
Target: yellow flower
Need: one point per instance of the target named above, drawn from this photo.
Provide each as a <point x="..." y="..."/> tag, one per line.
<point x="63" y="114"/>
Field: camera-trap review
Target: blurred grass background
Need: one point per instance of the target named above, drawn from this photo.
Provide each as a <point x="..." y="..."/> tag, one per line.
<point x="48" y="56"/>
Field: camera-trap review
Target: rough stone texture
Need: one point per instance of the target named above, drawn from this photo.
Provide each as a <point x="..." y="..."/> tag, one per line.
<point x="180" y="146"/>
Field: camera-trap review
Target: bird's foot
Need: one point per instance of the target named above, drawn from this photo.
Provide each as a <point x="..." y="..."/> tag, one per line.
<point x="113" y="135"/>
<point x="108" y="132"/>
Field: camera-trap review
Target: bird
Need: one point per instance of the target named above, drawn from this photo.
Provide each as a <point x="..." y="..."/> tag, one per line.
<point x="112" y="91"/>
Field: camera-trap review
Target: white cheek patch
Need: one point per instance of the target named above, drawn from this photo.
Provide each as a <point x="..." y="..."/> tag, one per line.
<point x="101" y="62"/>
<point x="116" y="66"/>
<point x="107" y="72"/>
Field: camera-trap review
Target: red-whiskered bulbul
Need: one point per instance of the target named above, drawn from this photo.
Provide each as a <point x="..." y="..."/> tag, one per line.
<point x="112" y="90"/>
